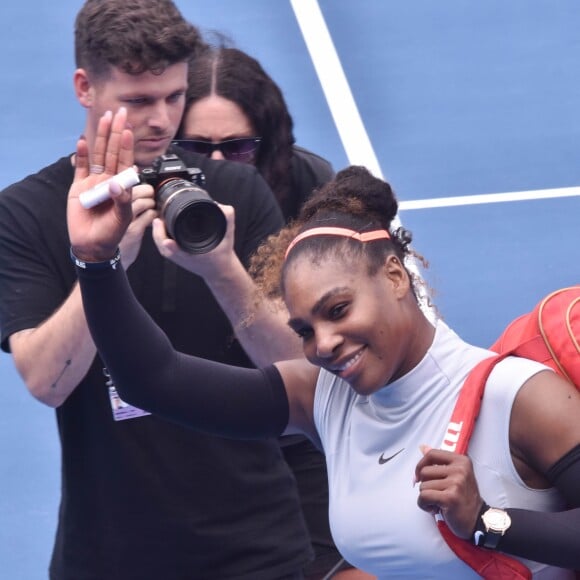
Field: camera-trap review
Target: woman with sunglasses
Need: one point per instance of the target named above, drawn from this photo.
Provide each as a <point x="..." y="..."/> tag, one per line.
<point x="376" y="391"/>
<point x="234" y="110"/>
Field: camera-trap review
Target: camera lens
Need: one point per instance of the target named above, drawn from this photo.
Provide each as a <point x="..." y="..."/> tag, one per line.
<point x="191" y="217"/>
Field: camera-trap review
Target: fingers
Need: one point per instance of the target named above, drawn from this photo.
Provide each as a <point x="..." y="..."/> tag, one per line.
<point x="81" y="160"/>
<point x="228" y="211"/>
<point x="163" y="242"/>
<point x="438" y="473"/>
<point x="119" y="153"/>
<point x="143" y="208"/>
<point x="144" y="192"/>
<point x="112" y="150"/>
<point x="100" y="145"/>
<point x="126" y="151"/>
<point x="109" y="132"/>
<point x="436" y="489"/>
<point x="448" y="486"/>
<point x="167" y="246"/>
<point x="437" y="465"/>
<point x="430" y="457"/>
<point x="230" y="215"/>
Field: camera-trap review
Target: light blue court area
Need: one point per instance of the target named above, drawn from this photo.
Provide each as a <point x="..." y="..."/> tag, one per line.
<point x="447" y="100"/>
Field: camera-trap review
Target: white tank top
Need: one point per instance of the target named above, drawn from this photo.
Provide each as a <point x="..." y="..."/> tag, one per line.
<point x="372" y="447"/>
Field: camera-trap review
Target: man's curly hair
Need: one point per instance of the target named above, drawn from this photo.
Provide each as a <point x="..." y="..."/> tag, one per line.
<point x="136" y="36"/>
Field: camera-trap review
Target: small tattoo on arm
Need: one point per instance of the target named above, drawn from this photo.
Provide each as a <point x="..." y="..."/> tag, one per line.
<point x="66" y="365"/>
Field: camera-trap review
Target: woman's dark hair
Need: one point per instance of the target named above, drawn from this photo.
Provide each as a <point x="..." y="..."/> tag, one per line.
<point x="354" y="199"/>
<point x="236" y="76"/>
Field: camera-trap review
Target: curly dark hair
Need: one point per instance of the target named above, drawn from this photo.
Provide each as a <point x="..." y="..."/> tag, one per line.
<point x="134" y="35"/>
<point x="234" y="75"/>
<point x="354" y="199"/>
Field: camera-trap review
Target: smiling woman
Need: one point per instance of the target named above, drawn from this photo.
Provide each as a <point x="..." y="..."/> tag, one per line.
<point x="376" y="392"/>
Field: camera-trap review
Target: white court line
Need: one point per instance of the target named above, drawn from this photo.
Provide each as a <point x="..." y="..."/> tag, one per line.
<point x="339" y="97"/>
<point x="349" y="124"/>
<point x="490" y="198"/>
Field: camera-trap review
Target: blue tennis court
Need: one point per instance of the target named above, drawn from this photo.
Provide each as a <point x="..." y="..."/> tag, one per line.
<point x="470" y="110"/>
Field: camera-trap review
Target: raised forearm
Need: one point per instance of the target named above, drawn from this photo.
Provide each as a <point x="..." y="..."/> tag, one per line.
<point x="55" y="356"/>
<point x="260" y="325"/>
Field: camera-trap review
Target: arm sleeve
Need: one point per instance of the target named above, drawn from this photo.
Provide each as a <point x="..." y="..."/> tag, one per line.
<point x="551" y="538"/>
<point x="149" y="373"/>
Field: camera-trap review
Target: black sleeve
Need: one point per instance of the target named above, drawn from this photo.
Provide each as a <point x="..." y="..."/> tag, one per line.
<point x="150" y="374"/>
<point x="36" y="274"/>
<point x="551" y="538"/>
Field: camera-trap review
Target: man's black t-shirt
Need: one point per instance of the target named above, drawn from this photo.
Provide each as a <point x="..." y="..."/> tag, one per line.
<point x="143" y="498"/>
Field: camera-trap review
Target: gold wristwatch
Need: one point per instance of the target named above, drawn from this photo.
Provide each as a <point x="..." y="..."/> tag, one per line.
<point x="492" y="524"/>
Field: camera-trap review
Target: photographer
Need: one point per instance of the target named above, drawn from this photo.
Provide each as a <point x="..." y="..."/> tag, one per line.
<point x="142" y="498"/>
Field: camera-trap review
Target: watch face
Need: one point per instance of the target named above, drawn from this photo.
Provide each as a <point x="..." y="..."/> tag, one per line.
<point x="496" y="520"/>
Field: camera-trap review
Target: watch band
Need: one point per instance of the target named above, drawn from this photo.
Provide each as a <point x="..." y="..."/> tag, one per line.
<point x="492" y="524"/>
<point x="479" y="531"/>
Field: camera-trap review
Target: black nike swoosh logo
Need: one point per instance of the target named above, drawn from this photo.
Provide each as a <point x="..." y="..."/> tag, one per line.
<point x="383" y="460"/>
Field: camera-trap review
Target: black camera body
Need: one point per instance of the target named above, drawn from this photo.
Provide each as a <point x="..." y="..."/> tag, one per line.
<point x="192" y="218"/>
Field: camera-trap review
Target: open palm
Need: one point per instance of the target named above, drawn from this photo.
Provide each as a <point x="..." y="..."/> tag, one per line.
<point x="95" y="233"/>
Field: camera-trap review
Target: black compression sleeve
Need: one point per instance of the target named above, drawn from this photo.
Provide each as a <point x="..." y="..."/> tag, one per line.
<point x="148" y="373"/>
<point x="565" y="475"/>
<point x="551" y="538"/>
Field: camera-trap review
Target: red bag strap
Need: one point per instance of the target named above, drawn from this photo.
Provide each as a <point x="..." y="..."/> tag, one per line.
<point x="468" y="404"/>
<point x="488" y="564"/>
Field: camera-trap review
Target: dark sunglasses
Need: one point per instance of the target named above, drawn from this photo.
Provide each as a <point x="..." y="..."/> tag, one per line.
<point x="242" y="149"/>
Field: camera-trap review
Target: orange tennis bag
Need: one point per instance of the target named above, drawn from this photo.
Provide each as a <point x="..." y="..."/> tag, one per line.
<point x="549" y="334"/>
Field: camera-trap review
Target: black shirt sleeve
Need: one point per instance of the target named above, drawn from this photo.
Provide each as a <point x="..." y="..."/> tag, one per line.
<point x="36" y="275"/>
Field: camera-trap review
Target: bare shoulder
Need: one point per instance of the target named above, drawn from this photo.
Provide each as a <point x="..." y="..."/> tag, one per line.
<point x="545" y="422"/>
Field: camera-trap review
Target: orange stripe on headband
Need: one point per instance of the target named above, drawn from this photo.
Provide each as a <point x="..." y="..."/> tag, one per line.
<point x="344" y="232"/>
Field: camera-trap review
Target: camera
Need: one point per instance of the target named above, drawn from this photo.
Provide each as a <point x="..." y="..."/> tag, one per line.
<point x="192" y="218"/>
